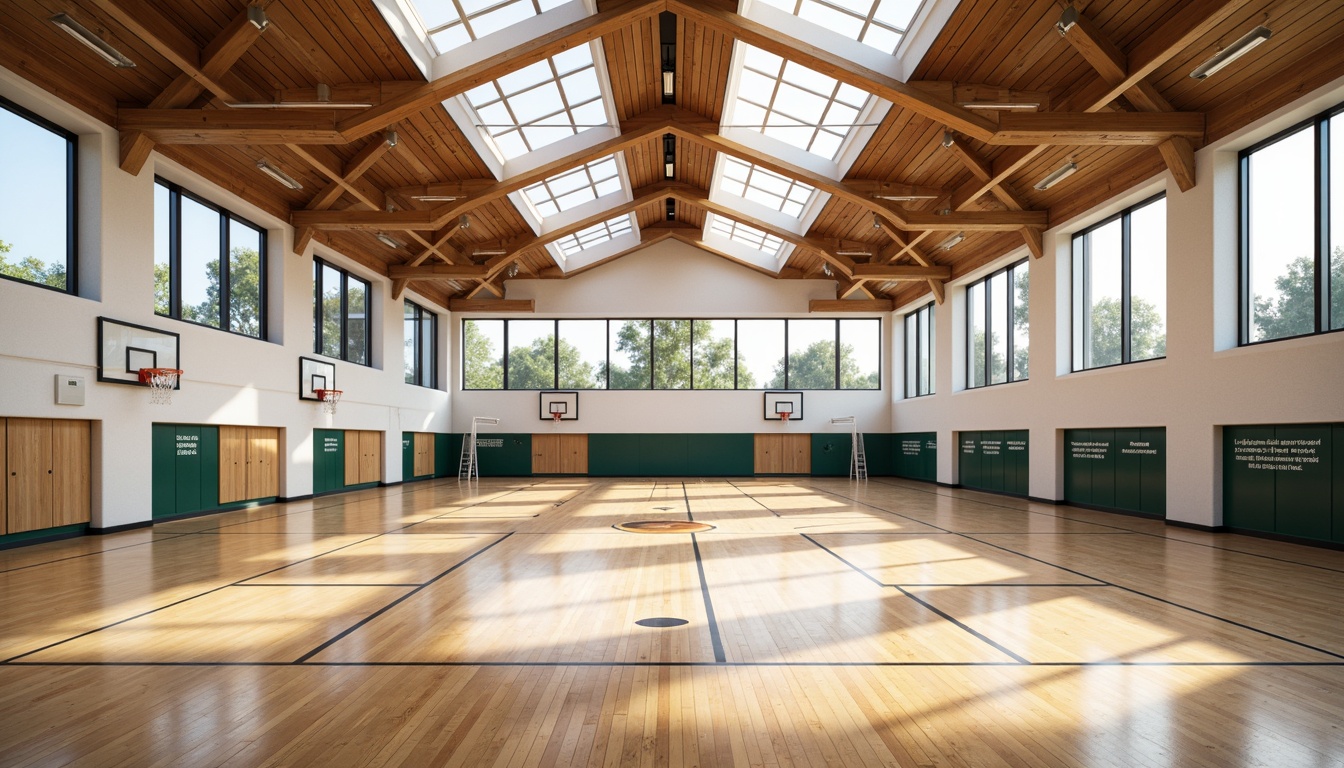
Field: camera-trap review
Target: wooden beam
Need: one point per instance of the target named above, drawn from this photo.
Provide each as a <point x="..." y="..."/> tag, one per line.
<point x="399" y="287"/>
<point x="850" y="305"/>
<point x="491" y="305"/>
<point x="229" y="126"/>
<point x="1035" y="240"/>
<point x="844" y="289"/>
<point x="465" y="78"/>
<point x="437" y="271"/>
<point x="939" y="290"/>
<point x="902" y="272"/>
<point x="357" y="166"/>
<point x="977" y="221"/>
<point x="963" y="94"/>
<point x="1097" y="129"/>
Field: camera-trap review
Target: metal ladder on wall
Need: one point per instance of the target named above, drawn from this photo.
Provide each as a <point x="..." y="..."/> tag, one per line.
<point x="858" y="460"/>
<point x="468" y="467"/>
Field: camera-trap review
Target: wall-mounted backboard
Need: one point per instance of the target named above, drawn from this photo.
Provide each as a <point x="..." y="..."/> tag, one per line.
<point x="779" y="403"/>
<point x="315" y="375"/>
<point x="564" y="403"/>
<point x="125" y="348"/>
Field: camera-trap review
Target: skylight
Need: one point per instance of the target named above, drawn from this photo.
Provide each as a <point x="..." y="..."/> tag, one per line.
<point x="776" y="192"/>
<point x="595" y="235"/>
<point x="796" y="105"/>
<point x="453" y="23"/>
<point x="573" y="188"/>
<point x="540" y="104"/>
<point x="880" y="24"/>
<point x="749" y="236"/>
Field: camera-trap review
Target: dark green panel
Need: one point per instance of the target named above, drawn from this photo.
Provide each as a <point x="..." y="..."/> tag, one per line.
<point x="1103" y="468"/>
<point x="407" y="455"/>
<point x="991" y="461"/>
<point x="447" y="454"/>
<point x="1077" y="467"/>
<point x="1016" y="461"/>
<point x="328" y="460"/>
<point x="969" y="460"/>
<point x="1154" y="470"/>
<point x="664" y="455"/>
<point x="1129" y="469"/>
<point x="1248" y="484"/>
<point x="611" y="455"/>
<point x="877" y="452"/>
<point x="929" y="471"/>
<point x="163" y="471"/>
<point x="187" y="441"/>
<point x="504" y="454"/>
<point x="1337" y="450"/>
<point x="908" y="454"/>
<point x="209" y="467"/>
<point x="725" y="455"/>
<point x="830" y="454"/>
<point x="1302" y="505"/>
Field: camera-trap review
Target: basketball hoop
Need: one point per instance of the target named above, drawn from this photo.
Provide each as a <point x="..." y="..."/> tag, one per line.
<point x="162" y="382"/>
<point x="556" y="416"/>
<point x="329" y="398"/>
<point x="785" y="415"/>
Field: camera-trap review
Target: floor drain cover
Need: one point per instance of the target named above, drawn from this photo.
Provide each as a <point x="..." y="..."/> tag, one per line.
<point x="661" y="621"/>
<point x="663" y="526"/>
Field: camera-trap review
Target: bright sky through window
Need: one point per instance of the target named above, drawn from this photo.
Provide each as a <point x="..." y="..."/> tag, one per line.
<point x="540" y="104"/>
<point x="880" y="24"/>
<point x="452" y="23"/>
<point x="594" y="235"/>
<point x="573" y="188"/>
<point x="794" y="104"/>
<point x="778" y="193"/>
<point x="746" y="235"/>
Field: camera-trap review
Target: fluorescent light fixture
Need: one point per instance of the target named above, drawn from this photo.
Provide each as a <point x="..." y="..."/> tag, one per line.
<point x="669" y="155"/>
<point x="437" y="198"/>
<point x="96" y="44"/>
<point x="669" y="83"/>
<point x="952" y="241"/>
<point x="1058" y="175"/>
<point x="671" y="209"/>
<point x="1231" y="53"/>
<point x="854" y="252"/>
<point x="843" y="420"/>
<point x="489" y="252"/>
<point x="278" y="175"/>
<point x="389" y="242"/>
<point x="257" y="15"/>
<point x="905" y="198"/>
<point x="999" y="105"/>
<point x="1066" y="20"/>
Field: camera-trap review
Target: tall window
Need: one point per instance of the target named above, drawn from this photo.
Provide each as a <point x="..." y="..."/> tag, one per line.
<point x="209" y="263"/>
<point x="341" y="313"/>
<point x="37" y="200"/>
<point x="1292" y="232"/>
<point x="422" y="344"/>
<point x="1120" y="288"/>
<point x="997" y="327"/>
<point x="919" y="339"/>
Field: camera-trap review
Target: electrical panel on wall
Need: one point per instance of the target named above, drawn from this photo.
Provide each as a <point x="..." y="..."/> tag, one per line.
<point x="69" y="390"/>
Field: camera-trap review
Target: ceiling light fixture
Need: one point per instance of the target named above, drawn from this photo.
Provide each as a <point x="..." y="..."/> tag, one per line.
<point x="826" y="269"/>
<point x="392" y="139"/>
<point x="278" y="175"/>
<point x="948" y="139"/>
<point x="96" y="44"/>
<point x="388" y="241"/>
<point x="489" y="252"/>
<point x="257" y="15"/>
<point x="906" y="198"/>
<point x="437" y="198"/>
<point x="1067" y="20"/>
<point x="323" y="101"/>
<point x="667" y="39"/>
<point x="669" y="155"/>
<point x="1063" y="172"/>
<point x="997" y="105"/>
<point x="464" y="222"/>
<point x="1231" y="53"/>
<point x="854" y="252"/>
<point x="952" y="241"/>
<point x="877" y="223"/>
<point x="513" y="270"/>
<point x="671" y="209"/>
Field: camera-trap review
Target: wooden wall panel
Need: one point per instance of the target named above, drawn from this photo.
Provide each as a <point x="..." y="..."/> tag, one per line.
<point x="797" y="449"/>
<point x="70" y="458"/>
<point x="573" y="454"/>
<point x="545" y="454"/>
<point x="353" y="457"/>
<point x="768" y="459"/>
<point x="371" y="456"/>
<point x="29" y="465"/>
<point x="424" y="454"/>
<point x="232" y="464"/>
<point x="4" y="476"/>
<point x="263" y="474"/>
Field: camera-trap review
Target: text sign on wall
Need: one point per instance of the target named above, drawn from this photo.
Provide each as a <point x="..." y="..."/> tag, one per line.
<point x="187" y="444"/>
<point x="489" y="442"/>
<point x="330" y="445"/>
<point x="1274" y="455"/>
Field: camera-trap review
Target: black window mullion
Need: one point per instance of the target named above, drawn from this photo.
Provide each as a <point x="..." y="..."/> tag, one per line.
<point x="1322" y="313"/>
<point x="836" y="383"/>
<point x="555" y="354"/>
<point x="1126" y="242"/>
<point x="505" y="354"/>
<point x="786" y="355"/>
<point x="1244" y="232"/>
<point x="734" y="353"/>
<point x="174" y="253"/>
<point x="225" y="288"/>
<point x="1010" y="320"/>
<point x="71" y="213"/>
<point x="692" y="352"/>
<point x="1086" y="314"/>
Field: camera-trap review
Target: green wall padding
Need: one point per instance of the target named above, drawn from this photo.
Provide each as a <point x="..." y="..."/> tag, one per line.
<point x="407" y="456"/>
<point x="504" y="454"/>
<point x="1122" y="469"/>
<point x="722" y="455"/>
<point x="670" y="455"/>
<point x="328" y="460"/>
<point x="915" y="455"/>
<point x="831" y="453"/>
<point x="664" y="455"/>
<point x="995" y="461"/>
<point x="877" y="449"/>
<point x="1286" y="479"/>
<point x="447" y="454"/>
<point x="1248" y="486"/>
<point x="184" y="469"/>
<point x="612" y="455"/>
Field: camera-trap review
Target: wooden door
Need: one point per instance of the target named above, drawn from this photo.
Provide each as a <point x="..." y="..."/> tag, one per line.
<point x="769" y="454"/>
<point x="29" y="465"/>
<point x="546" y="454"/>
<point x="353" y="457"/>
<point x="263" y="476"/>
<point x="424" y="454"/>
<point x="797" y="454"/>
<point x="4" y="477"/>
<point x="573" y="454"/>
<point x="232" y="464"/>
<point x="70" y="449"/>
<point x="371" y="457"/>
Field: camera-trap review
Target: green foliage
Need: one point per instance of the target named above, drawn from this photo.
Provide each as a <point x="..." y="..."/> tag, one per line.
<point x="244" y="293"/>
<point x="814" y="368"/>
<point x="484" y="368"/>
<point x="32" y="269"/>
<point x="533" y="367"/>
<point x="1292" y="311"/>
<point x="1147" y="333"/>
<point x="1022" y="321"/>
<point x="671" y="349"/>
<point x="714" y="361"/>
<point x="162" y="290"/>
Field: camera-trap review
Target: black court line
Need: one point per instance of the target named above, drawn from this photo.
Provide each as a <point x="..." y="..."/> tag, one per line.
<point x="707" y="664"/>
<point x="1172" y="603"/>
<point x="1000" y="584"/>
<point x="326" y="585"/>
<point x="753" y="498"/>
<point x="162" y="537"/>
<point x="944" y="614"/>
<point x="715" y="639"/>
<point x="395" y="603"/>
<point x="1106" y="525"/>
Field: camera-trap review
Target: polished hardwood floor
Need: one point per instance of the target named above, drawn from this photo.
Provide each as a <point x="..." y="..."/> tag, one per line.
<point x="827" y="623"/>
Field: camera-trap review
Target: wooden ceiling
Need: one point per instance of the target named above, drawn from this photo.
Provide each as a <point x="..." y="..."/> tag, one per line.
<point x="1115" y="93"/>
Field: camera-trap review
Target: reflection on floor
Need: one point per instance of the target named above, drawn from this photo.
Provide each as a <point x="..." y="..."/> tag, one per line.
<point x="825" y="623"/>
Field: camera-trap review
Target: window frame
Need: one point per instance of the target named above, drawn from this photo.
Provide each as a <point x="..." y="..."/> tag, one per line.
<point x="1126" y="285"/>
<point x="423" y="369"/>
<point x="175" y="194"/>
<point x="71" y="198"/>
<point x="918" y="317"/>
<point x="1320" y="125"/>
<point x="346" y="276"/>
<point x="1010" y="339"/>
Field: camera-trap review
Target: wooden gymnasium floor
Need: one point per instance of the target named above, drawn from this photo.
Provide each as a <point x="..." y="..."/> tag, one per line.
<point x="829" y="623"/>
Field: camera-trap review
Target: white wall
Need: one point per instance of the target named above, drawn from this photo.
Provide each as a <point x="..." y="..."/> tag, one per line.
<point x="228" y="379"/>
<point x="1206" y="381"/>
<point x="670" y="280"/>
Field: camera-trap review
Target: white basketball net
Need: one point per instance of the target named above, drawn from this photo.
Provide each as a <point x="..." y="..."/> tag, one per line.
<point x="162" y="382"/>
<point x="330" y="397"/>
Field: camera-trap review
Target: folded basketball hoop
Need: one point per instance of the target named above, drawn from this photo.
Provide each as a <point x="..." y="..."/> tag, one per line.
<point x="329" y="398"/>
<point x="162" y="382"/>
